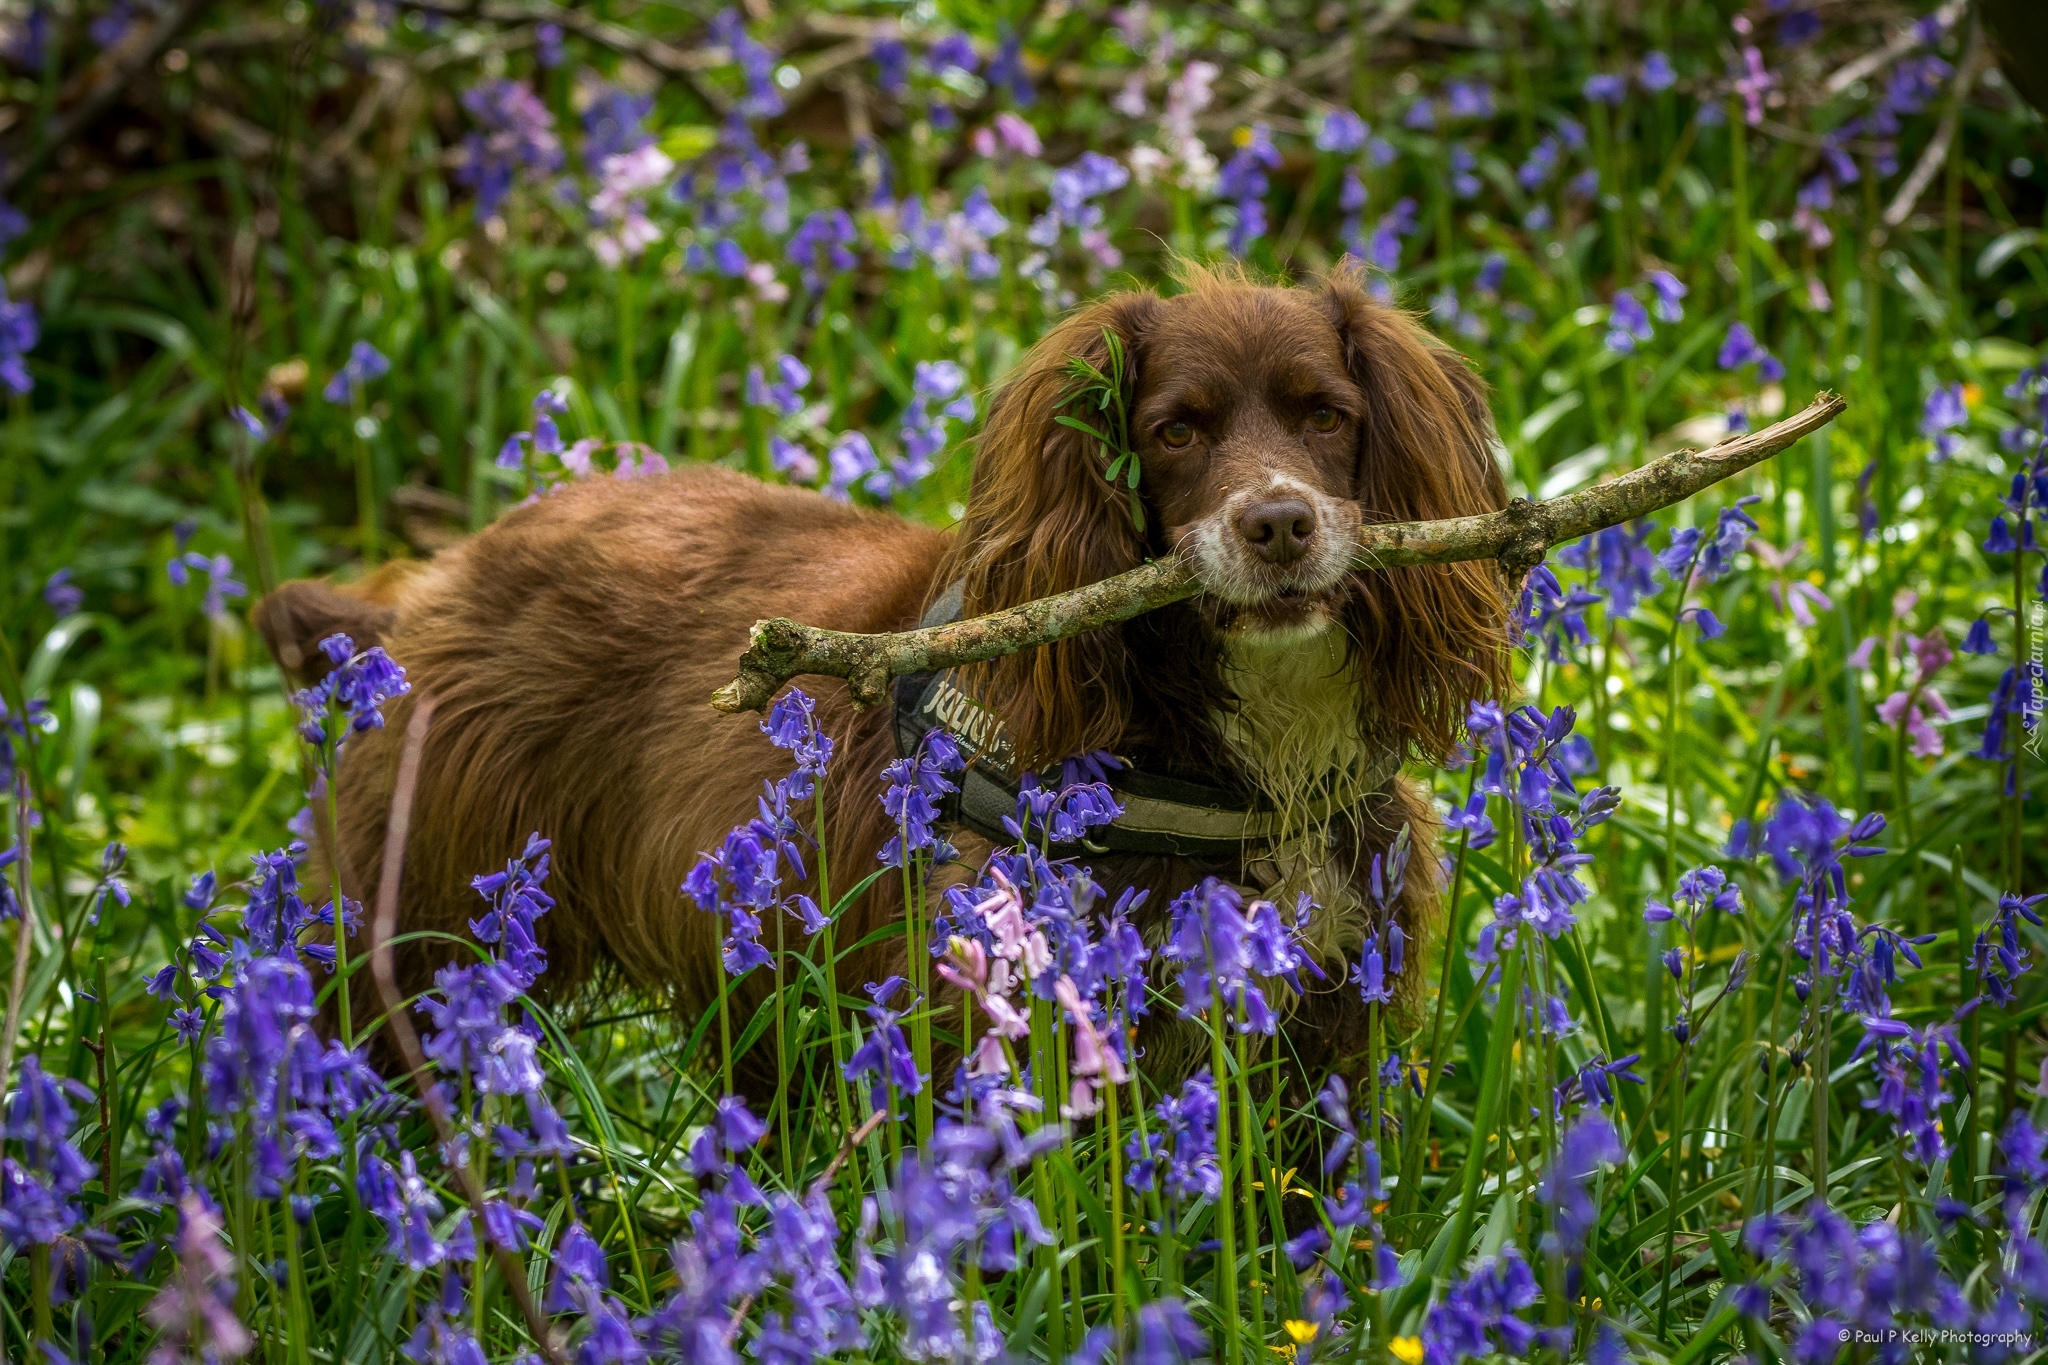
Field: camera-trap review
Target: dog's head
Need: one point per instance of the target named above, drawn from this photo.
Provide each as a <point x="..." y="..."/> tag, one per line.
<point x="1268" y="423"/>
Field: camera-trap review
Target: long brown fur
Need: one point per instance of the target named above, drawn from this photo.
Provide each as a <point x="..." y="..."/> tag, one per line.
<point x="571" y="648"/>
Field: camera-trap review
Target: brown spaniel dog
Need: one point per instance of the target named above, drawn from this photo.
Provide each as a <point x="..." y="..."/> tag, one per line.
<point x="571" y="647"/>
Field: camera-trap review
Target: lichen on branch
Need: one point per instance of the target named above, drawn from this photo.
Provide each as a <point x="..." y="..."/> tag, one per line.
<point x="1516" y="536"/>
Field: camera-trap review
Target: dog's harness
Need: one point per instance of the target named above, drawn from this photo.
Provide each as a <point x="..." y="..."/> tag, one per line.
<point x="1161" y="815"/>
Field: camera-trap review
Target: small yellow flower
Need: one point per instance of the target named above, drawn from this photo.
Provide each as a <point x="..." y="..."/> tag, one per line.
<point x="1407" y="1350"/>
<point x="1241" y="136"/>
<point x="1302" y="1332"/>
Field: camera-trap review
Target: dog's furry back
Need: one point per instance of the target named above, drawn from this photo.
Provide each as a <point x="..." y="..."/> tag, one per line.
<point x="570" y="650"/>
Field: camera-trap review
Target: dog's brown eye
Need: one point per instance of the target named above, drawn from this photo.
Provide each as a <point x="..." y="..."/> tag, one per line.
<point x="1177" y="434"/>
<point x="1323" y="419"/>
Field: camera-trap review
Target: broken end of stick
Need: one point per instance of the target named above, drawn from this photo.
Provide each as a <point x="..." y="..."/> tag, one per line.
<point x="773" y="649"/>
<point x="780" y="649"/>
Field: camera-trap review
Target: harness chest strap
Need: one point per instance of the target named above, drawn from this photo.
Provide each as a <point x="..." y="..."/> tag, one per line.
<point x="1161" y="814"/>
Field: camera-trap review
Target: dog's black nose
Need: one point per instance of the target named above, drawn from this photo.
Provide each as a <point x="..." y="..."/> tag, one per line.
<point x="1280" y="531"/>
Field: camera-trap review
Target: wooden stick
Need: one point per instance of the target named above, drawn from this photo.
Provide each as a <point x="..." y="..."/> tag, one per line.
<point x="1516" y="537"/>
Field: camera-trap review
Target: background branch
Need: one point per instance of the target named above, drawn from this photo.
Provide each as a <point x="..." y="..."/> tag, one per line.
<point x="1517" y="537"/>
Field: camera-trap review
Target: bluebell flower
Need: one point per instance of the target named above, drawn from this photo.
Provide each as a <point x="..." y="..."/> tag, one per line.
<point x="916" y="787"/>
<point x="1222" y="951"/>
<point x="1605" y="88"/>
<point x="763" y="98"/>
<point x="1540" y="164"/>
<point x="1594" y="1082"/>
<point x="851" y="460"/>
<point x="365" y="363"/>
<point x="1384" y="251"/>
<point x="2000" y="541"/>
<point x="923" y="430"/>
<point x="1492" y="270"/>
<point x="1481" y="1314"/>
<point x="953" y="52"/>
<point x="1006" y="69"/>
<point x="885" y="1055"/>
<point x="1075" y="189"/>
<point x="1741" y="348"/>
<point x="1163" y="1332"/>
<point x="1462" y="163"/>
<point x="785" y="394"/>
<point x="728" y="259"/>
<point x="822" y="245"/>
<point x="36" y="1191"/>
<point x="1468" y="99"/>
<point x="61" y="595"/>
<point x="1179" y="1156"/>
<point x="1978" y="639"/>
<point x="892" y="66"/>
<point x="1585" y="1146"/>
<point x="1656" y="74"/>
<point x="547" y="46"/>
<point x="1550" y="613"/>
<point x="19" y="332"/>
<point x="612" y="125"/>
<point x="354" y="690"/>
<point x="1621" y="561"/>
<point x="220" y="580"/>
<point x="1670" y="291"/>
<point x="1342" y="132"/>
<point x="1944" y="415"/>
<point x="515" y="138"/>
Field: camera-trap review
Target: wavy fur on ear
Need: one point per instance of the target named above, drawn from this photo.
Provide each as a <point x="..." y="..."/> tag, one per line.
<point x="1433" y="637"/>
<point x="1042" y="519"/>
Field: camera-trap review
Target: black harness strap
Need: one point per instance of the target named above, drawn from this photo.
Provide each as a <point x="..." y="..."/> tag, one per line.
<point x="1162" y="815"/>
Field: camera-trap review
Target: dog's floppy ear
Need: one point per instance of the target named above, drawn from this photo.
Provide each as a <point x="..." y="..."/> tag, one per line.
<point x="1041" y="519"/>
<point x="1434" y="636"/>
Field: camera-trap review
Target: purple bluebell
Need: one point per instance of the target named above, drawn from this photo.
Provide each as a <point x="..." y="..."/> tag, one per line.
<point x="1163" y="1332"/>
<point x="763" y="98"/>
<point x="915" y="788"/>
<point x="61" y="595"/>
<point x="1942" y="417"/>
<point x="1741" y="348"/>
<point x="36" y="1191"/>
<point x="1006" y="69"/>
<point x="1468" y="99"/>
<point x="220" y="580"/>
<point x="1978" y="639"/>
<point x="822" y="246"/>
<point x="1594" y="1082"/>
<point x="365" y="363"/>
<point x="884" y="1057"/>
<point x="1179" y="1155"/>
<point x="1621" y="560"/>
<point x="514" y="138"/>
<point x="1605" y="88"/>
<point x="1656" y="74"/>
<point x="784" y="395"/>
<point x="1671" y="292"/>
<point x="612" y="125"/>
<point x="1555" y="616"/>
<point x="1462" y="163"/>
<point x="1481" y="1314"/>
<point x="1342" y="132"/>
<point x="19" y="332"/>
<point x="1586" y="1145"/>
<point x="354" y="691"/>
